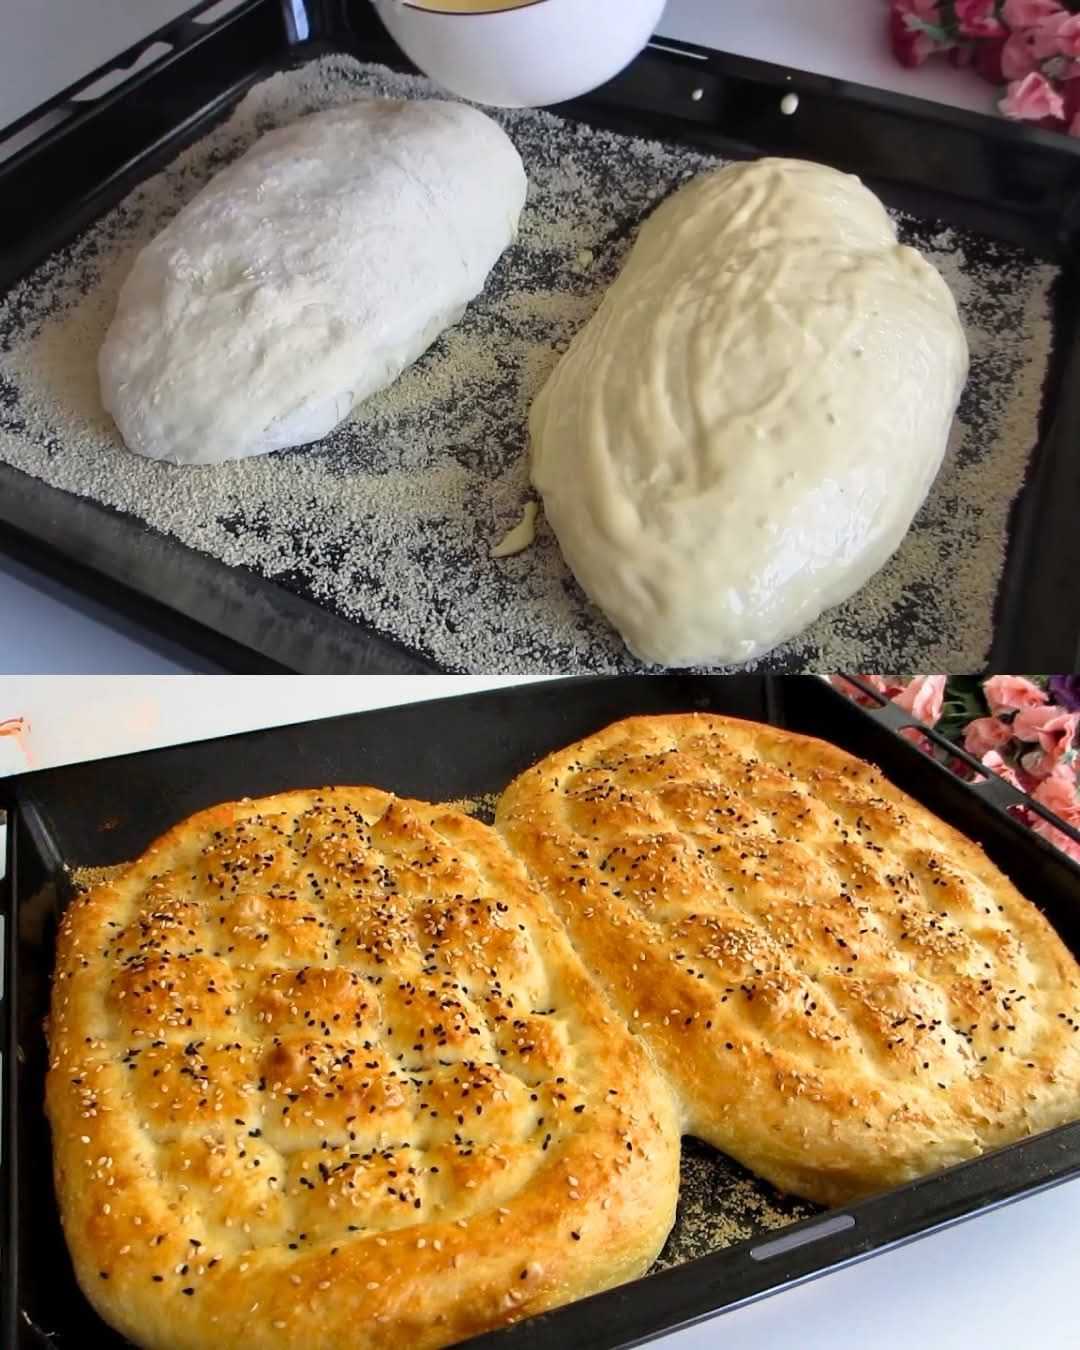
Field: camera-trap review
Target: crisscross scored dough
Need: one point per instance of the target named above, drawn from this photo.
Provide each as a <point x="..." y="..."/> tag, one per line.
<point x="843" y="991"/>
<point x="325" y="1070"/>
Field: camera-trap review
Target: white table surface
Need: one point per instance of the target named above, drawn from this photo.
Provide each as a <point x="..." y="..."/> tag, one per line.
<point x="44" y="627"/>
<point x="1004" y="1281"/>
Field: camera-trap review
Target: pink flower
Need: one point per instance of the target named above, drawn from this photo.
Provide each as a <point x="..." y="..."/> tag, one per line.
<point x="1035" y="766"/>
<point x="923" y="697"/>
<point x="1032" y="99"/>
<point x="1033" y="37"/>
<point x="1010" y="693"/>
<point x="978" y="18"/>
<point x="908" y="20"/>
<point x="958" y="767"/>
<point x="1053" y="729"/>
<point x="915" y="736"/>
<point x="1019" y="56"/>
<point x="1055" y="837"/>
<point x="1028" y="13"/>
<point x="1056" y="35"/>
<point x="915" y="12"/>
<point x="985" y="734"/>
<point x="1058" y="794"/>
<point x="1066" y="37"/>
<point x="993" y="761"/>
<point x="910" y="47"/>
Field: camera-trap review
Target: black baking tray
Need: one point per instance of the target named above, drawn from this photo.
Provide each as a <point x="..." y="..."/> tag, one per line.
<point x="108" y="811"/>
<point x="976" y="172"/>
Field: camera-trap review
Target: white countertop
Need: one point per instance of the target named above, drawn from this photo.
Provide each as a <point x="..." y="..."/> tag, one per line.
<point x="1004" y="1281"/>
<point x="47" y="628"/>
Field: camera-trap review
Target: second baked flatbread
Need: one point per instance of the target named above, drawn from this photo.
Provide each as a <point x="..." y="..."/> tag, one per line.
<point x="844" y="992"/>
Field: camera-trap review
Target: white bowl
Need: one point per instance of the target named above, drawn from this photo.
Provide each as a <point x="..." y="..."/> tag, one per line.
<point x="525" y="56"/>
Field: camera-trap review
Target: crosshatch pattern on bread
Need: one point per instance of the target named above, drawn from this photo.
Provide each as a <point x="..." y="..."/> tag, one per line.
<point x="844" y="992"/>
<point x="325" y="1070"/>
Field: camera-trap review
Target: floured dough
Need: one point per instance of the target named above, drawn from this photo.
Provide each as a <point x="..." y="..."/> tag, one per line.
<point x="743" y="433"/>
<point x="306" y="276"/>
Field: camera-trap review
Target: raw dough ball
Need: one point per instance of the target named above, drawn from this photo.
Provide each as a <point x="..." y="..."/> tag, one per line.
<point x="743" y="433"/>
<point x="306" y="276"/>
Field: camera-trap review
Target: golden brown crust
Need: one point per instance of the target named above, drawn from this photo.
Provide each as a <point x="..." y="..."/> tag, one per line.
<point x="325" y="1070"/>
<point x="843" y="991"/>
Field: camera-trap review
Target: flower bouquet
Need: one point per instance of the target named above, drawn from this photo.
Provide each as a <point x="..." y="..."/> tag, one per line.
<point x="1022" y="727"/>
<point x="1029" y="48"/>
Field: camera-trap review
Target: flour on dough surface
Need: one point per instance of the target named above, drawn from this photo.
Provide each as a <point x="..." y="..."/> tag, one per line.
<point x="390" y="520"/>
<point x="306" y="276"/>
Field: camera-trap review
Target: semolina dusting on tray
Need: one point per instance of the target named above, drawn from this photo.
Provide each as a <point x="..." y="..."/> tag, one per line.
<point x="392" y="520"/>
